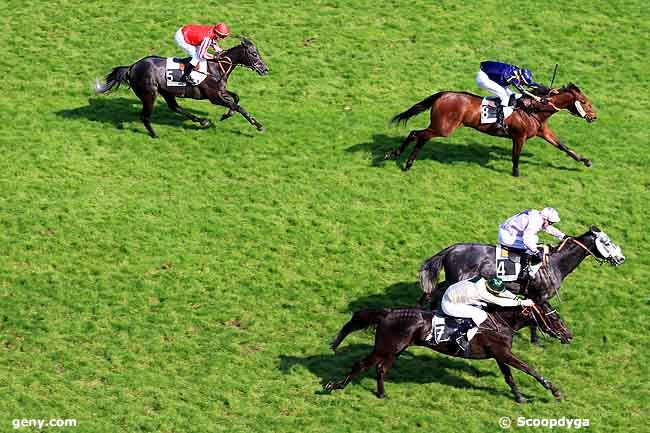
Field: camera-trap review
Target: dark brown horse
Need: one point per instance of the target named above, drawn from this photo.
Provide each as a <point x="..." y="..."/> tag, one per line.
<point x="451" y="110"/>
<point x="147" y="77"/>
<point x="398" y="329"/>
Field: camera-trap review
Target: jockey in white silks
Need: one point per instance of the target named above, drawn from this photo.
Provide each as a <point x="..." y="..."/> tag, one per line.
<point x="465" y="299"/>
<point x="520" y="232"/>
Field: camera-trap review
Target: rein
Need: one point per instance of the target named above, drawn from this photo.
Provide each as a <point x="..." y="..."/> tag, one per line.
<point x="581" y="245"/>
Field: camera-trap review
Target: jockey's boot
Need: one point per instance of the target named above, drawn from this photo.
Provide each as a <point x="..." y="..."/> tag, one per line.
<point x="185" y="78"/>
<point x="461" y="337"/>
<point x="499" y="123"/>
<point x="524" y="273"/>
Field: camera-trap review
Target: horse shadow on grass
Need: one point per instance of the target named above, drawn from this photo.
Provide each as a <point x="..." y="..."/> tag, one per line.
<point x="446" y="151"/>
<point x="410" y="367"/>
<point x="404" y="294"/>
<point x="118" y="111"/>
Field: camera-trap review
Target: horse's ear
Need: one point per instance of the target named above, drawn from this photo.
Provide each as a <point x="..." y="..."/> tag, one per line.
<point x="244" y="40"/>
<point x="595" y="229"/>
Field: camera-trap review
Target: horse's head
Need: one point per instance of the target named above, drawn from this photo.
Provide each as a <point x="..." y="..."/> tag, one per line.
<point x="250" y="57"/>
<point x="574" y="101"/>
<point x="549" y="321"/>
<point x="605" y="249"/>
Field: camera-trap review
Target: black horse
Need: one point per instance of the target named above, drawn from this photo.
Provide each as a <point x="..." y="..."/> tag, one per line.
<point x="462" y="261"/>
<point x="398" y="329"/>
<point x="147" y="77"/>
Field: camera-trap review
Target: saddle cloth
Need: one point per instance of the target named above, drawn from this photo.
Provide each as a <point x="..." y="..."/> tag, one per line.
<point x="174" y="71"/>
<point x="443" y="328"/>
<point x="489" y="110"/>
<point x="508" y="263"/>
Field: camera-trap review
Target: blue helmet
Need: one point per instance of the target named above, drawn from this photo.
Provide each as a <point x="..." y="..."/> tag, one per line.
<point x="527" y="76"/>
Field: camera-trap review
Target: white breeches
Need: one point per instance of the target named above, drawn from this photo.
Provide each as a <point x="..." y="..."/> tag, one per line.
<point x="463" y="310"/>
<point x="500" y="92"/>
<point x="189" y="49"/>
<point x="510" y="240"/>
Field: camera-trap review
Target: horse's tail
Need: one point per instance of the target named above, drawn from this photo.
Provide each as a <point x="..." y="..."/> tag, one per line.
<point x="430" y="271"/>
<point x="418" y="108"/>
<point x="114" y="79"/>
<point x="360" y="320"/>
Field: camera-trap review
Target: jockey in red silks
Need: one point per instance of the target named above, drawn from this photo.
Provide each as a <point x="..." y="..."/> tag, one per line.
<point x="195" y="39"/>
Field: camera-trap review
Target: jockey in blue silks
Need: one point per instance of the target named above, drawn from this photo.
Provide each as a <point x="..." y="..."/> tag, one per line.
<point x="495" y="77"/>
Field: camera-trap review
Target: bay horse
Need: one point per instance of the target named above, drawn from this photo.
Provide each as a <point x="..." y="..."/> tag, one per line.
<point x="452" y="110"/>
<point x="147" y="77"/>
<point x="466" y="260"/>
<point x="397" y="329"/>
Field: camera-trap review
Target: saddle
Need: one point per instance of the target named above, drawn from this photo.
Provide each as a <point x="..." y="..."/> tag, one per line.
<point x="443" y="327"/>
<point x="174" y="71"/>
<point x="508" y="262"/>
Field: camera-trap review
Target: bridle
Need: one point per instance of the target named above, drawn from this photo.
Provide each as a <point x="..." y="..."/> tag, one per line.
<point x="530" y="312"/>
<point x="581" y="245"/>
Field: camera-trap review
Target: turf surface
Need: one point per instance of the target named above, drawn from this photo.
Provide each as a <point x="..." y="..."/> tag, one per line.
<point x="192" y="283"/>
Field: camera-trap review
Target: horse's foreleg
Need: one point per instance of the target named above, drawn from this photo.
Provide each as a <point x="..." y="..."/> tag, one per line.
<point x="226" y="101"/>
<point x="382" y="369"/>
<point x="534" y="338"/>
<point x="230" y="112"/>
<point x="515" y="362"/>
<point x="173" y="105"/>
<point x="507" y="375"/>
<point x="550" y="137"/>
<point x="517" y="146"/>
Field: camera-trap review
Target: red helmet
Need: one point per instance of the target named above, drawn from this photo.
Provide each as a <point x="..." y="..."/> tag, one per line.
<point x="222" y="30"/>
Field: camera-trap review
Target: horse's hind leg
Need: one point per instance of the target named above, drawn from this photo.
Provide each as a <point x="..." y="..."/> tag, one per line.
<point x="408" y="140"/>
<point x="422" y="138"/>
<point x="358" y="368"/>
<point x="148" y="99"/>
<point x="173" y="105"/>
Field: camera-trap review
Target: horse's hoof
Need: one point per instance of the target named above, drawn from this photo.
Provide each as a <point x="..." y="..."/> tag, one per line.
<point x="521" y="400"/>
<point x="205" y="122"/>
<point x="558" y="395"/>
<point x="406" y="167"/>
<point x="388" y="155"/>
<point x="261" y="128"/>
<point x="224" y="117"/>
<point x="588" y="163"/>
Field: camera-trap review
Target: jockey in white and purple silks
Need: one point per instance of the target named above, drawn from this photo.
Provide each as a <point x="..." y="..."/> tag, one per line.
<point x="495" y="77"/>
<point x="520" y="232"/>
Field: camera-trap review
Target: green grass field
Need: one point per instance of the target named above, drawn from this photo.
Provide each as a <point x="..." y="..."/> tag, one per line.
<point x="192" y="283"/>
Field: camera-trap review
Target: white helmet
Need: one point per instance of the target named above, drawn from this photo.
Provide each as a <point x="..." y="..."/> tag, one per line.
<point x="550" y="214"/>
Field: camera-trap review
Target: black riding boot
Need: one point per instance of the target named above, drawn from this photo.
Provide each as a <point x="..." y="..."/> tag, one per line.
<point x="460" y="336"/>
<point x="524" y="261"/>
<point x="186" y="72"/>
<point x="499" y="123"/>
